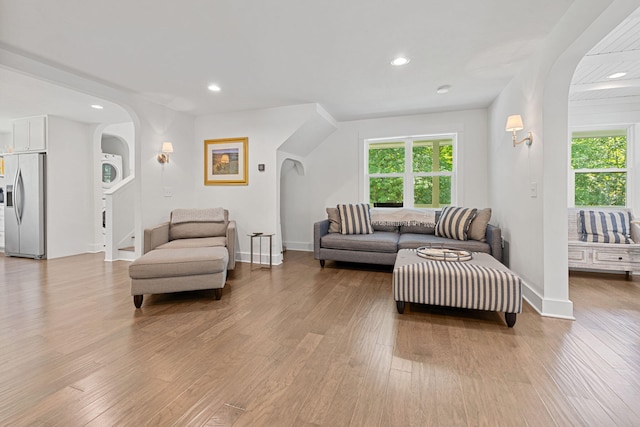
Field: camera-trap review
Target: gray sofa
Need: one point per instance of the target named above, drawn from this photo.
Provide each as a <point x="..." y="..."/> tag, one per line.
<point x="382" y="246"/>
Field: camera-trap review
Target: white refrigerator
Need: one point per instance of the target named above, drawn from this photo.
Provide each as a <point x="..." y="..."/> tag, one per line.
<point x="24" y="207"/>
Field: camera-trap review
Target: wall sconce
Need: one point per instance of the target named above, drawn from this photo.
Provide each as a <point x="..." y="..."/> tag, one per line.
<point x="514" y="123"/>
<point x="167" y="148"/>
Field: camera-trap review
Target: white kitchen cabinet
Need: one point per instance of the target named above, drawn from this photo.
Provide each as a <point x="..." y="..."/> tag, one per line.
<point x="30" y="134"/>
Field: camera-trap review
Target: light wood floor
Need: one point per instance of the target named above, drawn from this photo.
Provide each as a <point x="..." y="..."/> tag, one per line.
<point x="304" y="346"/>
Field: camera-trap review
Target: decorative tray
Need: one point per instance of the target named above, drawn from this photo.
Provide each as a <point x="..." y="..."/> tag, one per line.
<point x="443" y="254"/>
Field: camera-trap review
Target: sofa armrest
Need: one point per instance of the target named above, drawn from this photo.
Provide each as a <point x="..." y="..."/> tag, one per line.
<point x="155" y="236"/>
<point x="635" y="232"/>
<point x="231" y="245"/>
<point x="320" y="229"/>
<point x="494" y="239"/>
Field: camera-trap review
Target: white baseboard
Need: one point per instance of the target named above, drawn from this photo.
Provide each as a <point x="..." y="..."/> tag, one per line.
<point x="299" y="246"/>
<point x="560" y="309"/>
<point x="246" y="257"/>
<point x="95" y="248"/>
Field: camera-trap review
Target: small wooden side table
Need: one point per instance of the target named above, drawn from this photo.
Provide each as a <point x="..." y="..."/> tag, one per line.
<point x="260" y="236"/>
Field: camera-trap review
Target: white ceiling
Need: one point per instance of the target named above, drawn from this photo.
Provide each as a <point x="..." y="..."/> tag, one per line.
<point x="23" y="96"/>
<point x="267" y="54"/>
<point x="617" y="52"/>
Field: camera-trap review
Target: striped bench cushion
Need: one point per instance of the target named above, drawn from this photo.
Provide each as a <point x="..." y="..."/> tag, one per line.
<point x="605" y="227"/>
<point x="458" y="284"/>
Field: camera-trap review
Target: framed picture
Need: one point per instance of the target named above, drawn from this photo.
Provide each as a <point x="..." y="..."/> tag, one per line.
<point x="226" y="161"/>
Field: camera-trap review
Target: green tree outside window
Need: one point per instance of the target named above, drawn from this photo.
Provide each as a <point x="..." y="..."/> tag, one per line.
<point x="429" y="177"/>
<point x="599" y="162"/>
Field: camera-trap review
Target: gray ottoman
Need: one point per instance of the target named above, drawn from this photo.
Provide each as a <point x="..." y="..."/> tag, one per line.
<point x="481" y="283"/>
<point x="179" y="269"/>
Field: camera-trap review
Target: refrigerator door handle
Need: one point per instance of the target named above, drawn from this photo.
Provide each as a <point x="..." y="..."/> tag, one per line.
<point x="19" y="200"/>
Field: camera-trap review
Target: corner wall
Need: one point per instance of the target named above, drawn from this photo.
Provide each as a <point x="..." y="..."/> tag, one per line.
<point x="254" y="207"/>
<point x="334" y="171"/>
<point x="70" y="173"/>
<point x="537" y="227"/>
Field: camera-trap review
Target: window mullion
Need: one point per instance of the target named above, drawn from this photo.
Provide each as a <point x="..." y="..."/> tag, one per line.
<point x="408" y="174"/>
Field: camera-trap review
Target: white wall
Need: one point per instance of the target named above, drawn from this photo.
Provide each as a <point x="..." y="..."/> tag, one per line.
<point x="334" y="171"/>
<point x="254" y="206"/>
<point x="163" y="187"/>
<point x="537" y="227"/>
<point x="69" y="188"/>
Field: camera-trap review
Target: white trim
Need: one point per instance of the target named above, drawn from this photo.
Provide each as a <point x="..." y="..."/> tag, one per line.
<point x="559" y="309"/>
<point x="246" y="258"/>
<point x="299" y="246"/>
<point x="94" y="248"/>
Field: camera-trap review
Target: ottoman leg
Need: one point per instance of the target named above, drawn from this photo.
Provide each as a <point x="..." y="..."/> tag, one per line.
<point x="218" y="293"/>
<point x="400" y="306"/>
<point x="510" y="318"/>
<point x="137" y="300"/>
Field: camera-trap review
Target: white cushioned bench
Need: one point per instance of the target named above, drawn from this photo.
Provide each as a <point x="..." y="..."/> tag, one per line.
<point x="594" y="256"/>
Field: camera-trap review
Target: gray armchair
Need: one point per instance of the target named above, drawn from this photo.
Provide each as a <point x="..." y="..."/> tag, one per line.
<point x="192" y="251"/>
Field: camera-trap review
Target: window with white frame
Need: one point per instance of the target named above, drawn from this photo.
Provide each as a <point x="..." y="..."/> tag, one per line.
<point x="411" y="172"/>
<point x="599" y="170"/>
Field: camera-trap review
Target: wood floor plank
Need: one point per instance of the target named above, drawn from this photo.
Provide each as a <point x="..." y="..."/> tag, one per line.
<point x="302" y="345"/>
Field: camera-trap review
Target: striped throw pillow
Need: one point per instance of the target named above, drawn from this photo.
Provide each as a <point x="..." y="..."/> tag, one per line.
<point x="355" y="219"/>
<point x="454" y="222"/>
<point x="605" y="227"/>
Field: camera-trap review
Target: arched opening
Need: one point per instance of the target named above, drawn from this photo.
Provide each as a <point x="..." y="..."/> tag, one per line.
<point x="292" y="210"/>
<point x="604" y="143"/>
<point x="72" y="178"/>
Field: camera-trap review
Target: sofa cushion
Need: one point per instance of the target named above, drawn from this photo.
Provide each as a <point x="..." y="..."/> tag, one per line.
<point x="478" y="226"/>
<point x="355" y="219"/>
<point x="380" y="241"/>
<point x="200" y="242"/>
<point x="418" y="229"/>
<point x="414" y="241"/>
<point x="380" y="227"/>
<point x="179" y="262"/>
<point x="189" y="230"/>
<point x="605" y="227"/>
<point x="454" y="222"/>
<point x="334" y="220"/>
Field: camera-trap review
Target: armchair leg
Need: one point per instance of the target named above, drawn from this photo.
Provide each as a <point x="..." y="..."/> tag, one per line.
<point x="218" y="293"/>
<point x="137" y="300"/>
<point x="321" y="263"/>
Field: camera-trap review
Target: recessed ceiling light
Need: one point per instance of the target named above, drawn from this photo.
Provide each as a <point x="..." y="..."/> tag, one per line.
<point x="214" y="88"/>
<point x="97" y="107"/>
<point x="400" y="61"/>
<point x="617" y="75"/>
<point x="443" y="89"/>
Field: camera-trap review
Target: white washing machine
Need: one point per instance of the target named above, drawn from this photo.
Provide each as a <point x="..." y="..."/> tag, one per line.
<point x="111" y="170"/>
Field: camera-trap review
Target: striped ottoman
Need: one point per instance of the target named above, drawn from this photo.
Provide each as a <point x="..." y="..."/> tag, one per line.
<point x="482" y="283"/>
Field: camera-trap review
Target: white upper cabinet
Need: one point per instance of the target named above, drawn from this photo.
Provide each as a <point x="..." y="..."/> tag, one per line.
<point x="30" y="134"/>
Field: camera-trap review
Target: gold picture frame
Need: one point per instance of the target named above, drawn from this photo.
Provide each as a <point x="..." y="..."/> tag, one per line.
<point x="226" y="161"/>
